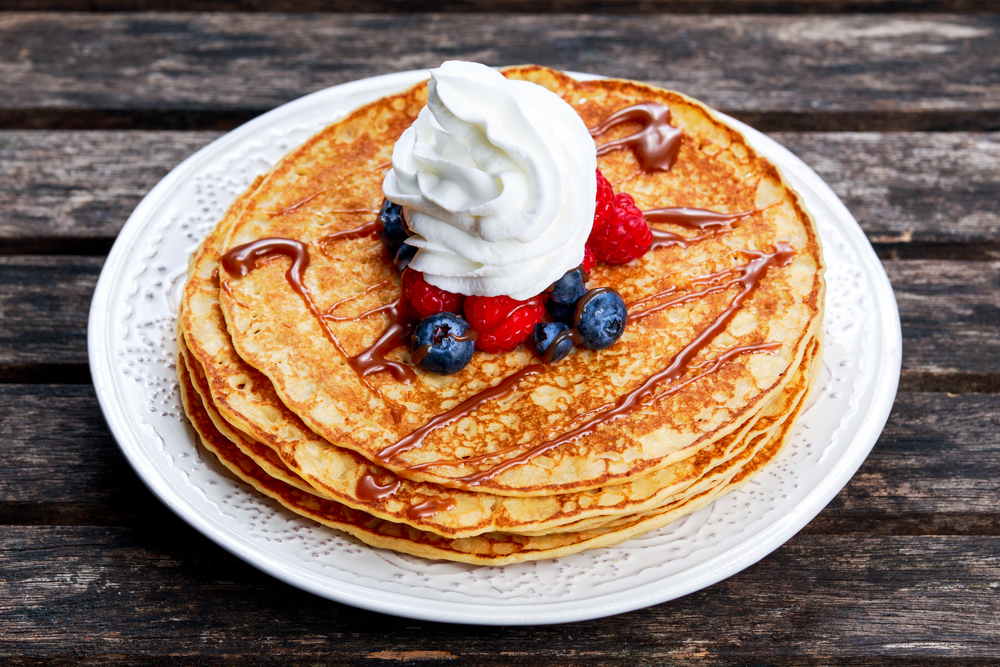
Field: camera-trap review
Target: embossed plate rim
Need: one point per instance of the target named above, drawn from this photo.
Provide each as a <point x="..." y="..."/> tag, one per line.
<point x="137" y="438"/>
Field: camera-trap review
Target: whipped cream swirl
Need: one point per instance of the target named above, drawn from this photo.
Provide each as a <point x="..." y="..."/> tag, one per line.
<point x="496" y="179"/>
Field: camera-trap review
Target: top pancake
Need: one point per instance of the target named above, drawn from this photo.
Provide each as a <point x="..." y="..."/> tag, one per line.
<point x="333" y="183"/>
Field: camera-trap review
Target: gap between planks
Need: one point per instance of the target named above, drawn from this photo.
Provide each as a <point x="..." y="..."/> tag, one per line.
<point x="765" y="121"/>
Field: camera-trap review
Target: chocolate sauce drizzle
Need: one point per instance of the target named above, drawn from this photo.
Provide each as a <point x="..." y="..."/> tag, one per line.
<point x="369" y="228"/>
<point x="696" y="218"/>
<point x="369" y="490"/>
<point x="692" y="218"/>
<point x="656" y="145"/>
<point x="748" y="277"/>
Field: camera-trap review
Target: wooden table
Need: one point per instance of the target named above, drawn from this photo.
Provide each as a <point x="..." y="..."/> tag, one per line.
<point x="899" y="112"/>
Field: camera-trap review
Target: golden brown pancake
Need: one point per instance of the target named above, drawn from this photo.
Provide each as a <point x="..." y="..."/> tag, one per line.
<point x="248" y="401"/>
<point x="491" y="548"/>
<point x="319" y="189"/>
<point x="723" y="342"/>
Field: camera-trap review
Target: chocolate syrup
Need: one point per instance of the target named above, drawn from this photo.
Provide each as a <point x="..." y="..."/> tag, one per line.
<point x="432" y="505"/>
<point x="656" y="145"/>
<point x="395" y="334"/>
<point x="695" y="218"/>
<point x="328" y="315"/>
<point x="691" y="218"/>
<point x="298" y="204"/>
<point x="369" y="490"/>
<point x="460" y="411"/>
<point x="369" y="228"/>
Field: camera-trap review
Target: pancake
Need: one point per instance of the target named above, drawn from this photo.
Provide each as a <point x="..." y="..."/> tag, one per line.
<point x="251" y="408"/>
<point x="511" y="459"/>
<point x="489" y="549"/>
<point x="558" y="432"/>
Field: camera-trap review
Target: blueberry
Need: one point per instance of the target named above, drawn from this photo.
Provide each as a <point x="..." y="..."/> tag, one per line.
<point x="435" y="347"/>
<point x="545" y="334"/>
<point x="393" y="231"/>
<point x="602" y="317"/>
<point x="403" y="256"/>
<point x="561" y="312"/>
<point x="568" y="289"/>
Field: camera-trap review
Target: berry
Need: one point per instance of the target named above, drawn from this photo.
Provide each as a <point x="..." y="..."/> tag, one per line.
<point x="425" y="299"/>
<point x="435" y="344"/>
<point x="589" y="261"/>
<point x="601" y="318"/>
<point x="545" y="334"/>
<point x="569" y="288"/>
<point x="503" y="323"/>
<point x="563" y="295"/>
<point x="625" y="236"/>
<point x="404" y="256"/>
<point x="605" y="201"/>
<point x="393" y="231"/>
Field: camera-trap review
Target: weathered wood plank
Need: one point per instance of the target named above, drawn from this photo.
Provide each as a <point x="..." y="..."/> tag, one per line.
<point x="78" y="477"/>
<point x="950" y="315"/>
<point x="930" y="195"/>
<point x="934" y="471"/>
<point x="919" y="196"/>
<point x="949" y="310"/>
<point x="143" y="593"/>
<point x="44" y="304"/>
<point x="72" y="191"/>
<point x="819" y="72"/>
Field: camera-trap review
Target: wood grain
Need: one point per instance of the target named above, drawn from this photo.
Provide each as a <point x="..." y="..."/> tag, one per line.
<point x="916" y="195"/>
<point x="150" y="592"/>
<point x="44" y="303"/>
<point x="778" y="72"/>
<point x="71" y="192"/>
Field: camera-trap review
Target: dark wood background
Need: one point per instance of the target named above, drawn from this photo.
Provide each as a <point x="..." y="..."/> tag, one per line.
<point x="895" y="103"/>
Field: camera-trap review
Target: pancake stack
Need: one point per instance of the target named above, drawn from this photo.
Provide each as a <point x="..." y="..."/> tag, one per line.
<point x="296" y="372"/>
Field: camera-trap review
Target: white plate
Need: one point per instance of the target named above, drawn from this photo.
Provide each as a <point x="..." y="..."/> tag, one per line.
<point x="132" y="352"/>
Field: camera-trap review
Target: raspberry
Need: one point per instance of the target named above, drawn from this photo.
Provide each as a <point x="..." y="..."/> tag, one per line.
<point x="425" y="299"/>
<point x="503" y="323"/>
<point x="625" y="236"/>
<point x="605" y="201"/>
<point x="589" y="261"/>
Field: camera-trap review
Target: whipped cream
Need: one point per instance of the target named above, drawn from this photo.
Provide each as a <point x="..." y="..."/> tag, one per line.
<point x="497" y="182"/>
